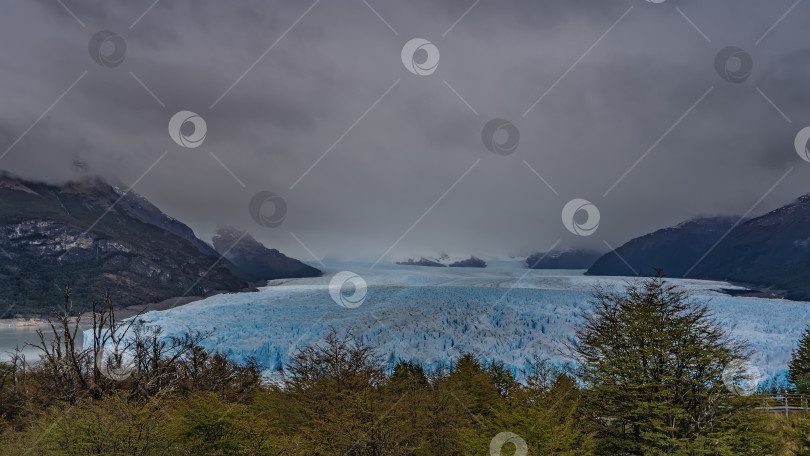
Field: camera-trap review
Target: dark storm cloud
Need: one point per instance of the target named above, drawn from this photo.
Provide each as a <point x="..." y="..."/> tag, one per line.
<point x="501" y="57"/>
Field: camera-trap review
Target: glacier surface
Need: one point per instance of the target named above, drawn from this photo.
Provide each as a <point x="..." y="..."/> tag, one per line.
<point x="433" y="315"/>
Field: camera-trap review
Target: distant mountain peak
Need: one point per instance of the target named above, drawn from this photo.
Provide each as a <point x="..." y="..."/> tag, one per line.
<point x="804" y="199"/>
<point x="226" y="237"/>
<point x="252" y="257"/>
<point x="471" y="262"/>
<point x="75" y="234"/>
<point x="446" y="260"/>
<point x="421" y="262"/>
<point x="572" y="258"/>
<point x="770" y="250"/>
<point x="707" y="219"/>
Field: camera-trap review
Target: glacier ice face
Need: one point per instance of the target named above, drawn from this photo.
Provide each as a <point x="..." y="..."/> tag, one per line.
<point x="433" y="315"/>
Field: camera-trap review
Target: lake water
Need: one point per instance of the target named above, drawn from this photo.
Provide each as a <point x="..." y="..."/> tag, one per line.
<point x="18" y="336"/>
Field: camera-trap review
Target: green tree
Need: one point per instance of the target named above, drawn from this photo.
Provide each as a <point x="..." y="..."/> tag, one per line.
<point x="112" y="425"/>
<point x="799" y="378"/>
<point x="502" y="377"/>
<point x="653" y="360"/>
<point x="408" y="375"/>
<point x="801" y="436"/>
<point x="338" y="395"/>
<point x="546" y="411"/>
<point x="799" y="367"/>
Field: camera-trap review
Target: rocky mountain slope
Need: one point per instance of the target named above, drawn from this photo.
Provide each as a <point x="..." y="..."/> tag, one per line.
<point x="771" y="251"/>
<point x="471" y="262"/>
<point x="445" y="260"/>
<point x="261" y="263"/>
<point x="674" y="249"/>
<point x="94" y="237"/>
<point x="421" y="262"/>
<point x="568" y="259"/>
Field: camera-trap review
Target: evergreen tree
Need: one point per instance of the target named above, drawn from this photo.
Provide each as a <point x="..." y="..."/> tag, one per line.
<point x="408" y="375"/>
<point x="546" y="411"/>
<point x="802" y="437"/>
<point x="653" y="360"/>
<point x="799" y="367"/>
<point x="799" y="378"/>
<point x="502" y="377"/>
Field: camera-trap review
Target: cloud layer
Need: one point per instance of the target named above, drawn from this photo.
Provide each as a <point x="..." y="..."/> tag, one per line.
<point x="616" y="102"/>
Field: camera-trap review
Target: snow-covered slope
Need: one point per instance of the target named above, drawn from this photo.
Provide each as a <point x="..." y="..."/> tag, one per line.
<point x="432" y="315"/>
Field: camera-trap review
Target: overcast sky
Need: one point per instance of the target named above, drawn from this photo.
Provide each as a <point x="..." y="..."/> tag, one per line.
<point x="591" y="86"/>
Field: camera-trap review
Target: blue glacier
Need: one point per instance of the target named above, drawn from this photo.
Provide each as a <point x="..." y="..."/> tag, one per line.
<point x="433" y="315"/>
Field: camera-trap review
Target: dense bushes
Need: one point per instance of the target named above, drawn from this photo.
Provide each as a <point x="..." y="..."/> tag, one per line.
<point x="648" y="383"/>
<point x="335" y="399"/>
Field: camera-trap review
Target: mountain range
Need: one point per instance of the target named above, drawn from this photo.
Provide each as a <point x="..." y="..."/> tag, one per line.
<point x="256" y="260"/>
<point x="444" y="260"/>
<point x="96" y="238"/>
<point x="566" y="259"/>
<point x="771" y="251"/>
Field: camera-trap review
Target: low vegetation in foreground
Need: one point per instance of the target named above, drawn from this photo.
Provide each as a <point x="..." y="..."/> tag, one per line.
<point x="656" y="375"/>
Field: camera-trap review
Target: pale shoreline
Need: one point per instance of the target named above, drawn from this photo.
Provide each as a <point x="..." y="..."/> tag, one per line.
<point x="23" y="322"/>
<point x="120" y="313"/>
<point x="31" y="322"/>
